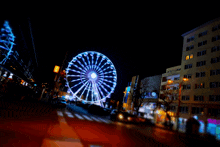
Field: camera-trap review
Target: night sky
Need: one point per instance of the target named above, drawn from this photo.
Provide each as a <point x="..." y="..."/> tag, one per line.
<point x="137" y="41"/>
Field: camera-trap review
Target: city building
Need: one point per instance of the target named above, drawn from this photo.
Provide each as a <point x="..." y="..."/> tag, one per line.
<point x="169" y="92"/>
<point x="128" y="104"/>
<point x="149" y="94"/>
<point x="200" y="94"/>
<point x="150" y="88"/>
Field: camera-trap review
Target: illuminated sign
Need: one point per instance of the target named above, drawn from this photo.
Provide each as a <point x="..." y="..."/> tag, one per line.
<point x="56" y="69"/>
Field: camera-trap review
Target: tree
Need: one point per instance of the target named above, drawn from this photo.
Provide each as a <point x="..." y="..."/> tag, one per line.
<point x="169" y="95"/>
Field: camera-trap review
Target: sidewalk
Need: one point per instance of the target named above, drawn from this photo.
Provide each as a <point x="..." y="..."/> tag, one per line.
<point x="174" y="138"/>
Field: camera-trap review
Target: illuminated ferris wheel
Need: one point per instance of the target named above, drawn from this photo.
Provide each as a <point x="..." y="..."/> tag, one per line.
<point x="6" y="42"/>
<point x="91" y="77"/>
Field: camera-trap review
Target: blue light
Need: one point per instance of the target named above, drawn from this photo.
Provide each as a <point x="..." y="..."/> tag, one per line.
<point x="97" y="71"/>
<point x="7" y="40"/>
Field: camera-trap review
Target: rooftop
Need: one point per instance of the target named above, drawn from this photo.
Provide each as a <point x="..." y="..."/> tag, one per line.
<point x="201" y="26"/>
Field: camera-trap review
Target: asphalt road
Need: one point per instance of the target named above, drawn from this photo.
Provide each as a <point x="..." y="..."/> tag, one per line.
<point x="76" y="127"/>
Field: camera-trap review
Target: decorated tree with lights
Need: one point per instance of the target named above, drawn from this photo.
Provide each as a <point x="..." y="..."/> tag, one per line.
<point x="6" y="42"/>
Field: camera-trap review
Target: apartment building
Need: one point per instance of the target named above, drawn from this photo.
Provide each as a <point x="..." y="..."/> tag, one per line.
<point x="200" y="94"/>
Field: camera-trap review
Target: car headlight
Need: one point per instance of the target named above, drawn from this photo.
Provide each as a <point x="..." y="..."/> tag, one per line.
<point x="120" y="116"/>
<point x="129" y="118"/>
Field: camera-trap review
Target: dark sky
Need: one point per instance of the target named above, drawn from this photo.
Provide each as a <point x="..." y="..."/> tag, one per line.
<point x="138" y="41"/>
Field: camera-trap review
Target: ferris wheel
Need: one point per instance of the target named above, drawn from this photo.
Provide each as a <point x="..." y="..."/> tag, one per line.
<point x="91" y="77"/>
<point x="6" y="42"/>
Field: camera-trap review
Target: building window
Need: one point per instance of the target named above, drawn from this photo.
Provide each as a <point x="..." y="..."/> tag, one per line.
<point x="172" y="108"/>
<point x="215" y="60"/>
<point x="200" y="74"/>
<point x="189" y="76"/>
<point x="215" y="48"/>
<point x="201" y="63"/>
<point x="184" y="109"/>
<point x="188" y="66"/>
<point x="198" y="98"/>
<point x="197" y="110"/>
<point x="185" y="97"/>
<point x="189" y="56"/>
<point x="215" y="72"/>
<point x="201" y="53"/>
<point x="202" y="43"/>
<point x="199" y="86"/>
<point x="214" y="98"/>
<point x="164" y="79"/>
<point x="214" y="84"/>
<point x="203" y="33"/>
<point x="190" y="39"/>
<point x="187" y="86"/>
<point x="213" y="111"/>
<point x="189" y="47"/>
<point x="217" y="27"/>
<point x="217" y="37"/>
<point x="176" y="78"/>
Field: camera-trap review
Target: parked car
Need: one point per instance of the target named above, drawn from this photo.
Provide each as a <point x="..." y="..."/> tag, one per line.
<point x="95" y="109"/>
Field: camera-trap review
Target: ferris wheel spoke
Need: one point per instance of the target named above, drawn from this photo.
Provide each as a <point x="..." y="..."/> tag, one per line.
<point x="103" y="87"/>
<point x="101" y="92"/>
<point x="73" y="75"/>
<point x="85" y="63"/>
<point x="74" y="71"/>
<point x="81" y="65"/>
<point x="96" y="61"/>
<point x="84" y="90"/>
<point x="105" y="68"/>
<point x="88" y="92"/>
<point x="100" y="63"/>
<point x="80" y="88"/>
<point x="92" y="61"/>
<point x="108" y="72"/>
<point x="75" y="80"/>
<point x="88" y="62"/>
<point x="78" y="67"/>
<point x="107" y="81"/>
<point x="103" y="65"/>
<point x="105" y="84"/>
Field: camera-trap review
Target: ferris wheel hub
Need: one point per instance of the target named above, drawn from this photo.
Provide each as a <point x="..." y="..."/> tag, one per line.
<point x="93" y="75"/>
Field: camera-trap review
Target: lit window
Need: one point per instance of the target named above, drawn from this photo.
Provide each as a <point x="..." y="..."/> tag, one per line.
<point x="191" y="56"/>
<point x="187" y="57"/>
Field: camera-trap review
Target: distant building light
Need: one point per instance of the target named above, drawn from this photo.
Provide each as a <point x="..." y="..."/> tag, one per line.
<point x="56" y="69"/>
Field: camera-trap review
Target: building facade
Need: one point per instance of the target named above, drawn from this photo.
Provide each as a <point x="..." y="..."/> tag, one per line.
<point x="200" y="94"/>
<point x="150" y="88"/>
<point x="169" y="92"/>
<point x="128" y="95"/>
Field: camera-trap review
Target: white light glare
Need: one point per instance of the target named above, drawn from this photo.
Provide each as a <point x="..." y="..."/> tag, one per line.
<point x="93" y="75"/>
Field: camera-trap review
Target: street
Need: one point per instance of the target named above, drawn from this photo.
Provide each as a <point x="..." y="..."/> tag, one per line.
<point x="72" y="127"/>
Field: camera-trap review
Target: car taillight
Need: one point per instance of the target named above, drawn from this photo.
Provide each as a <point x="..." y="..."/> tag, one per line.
<point x="129" y="118"/>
